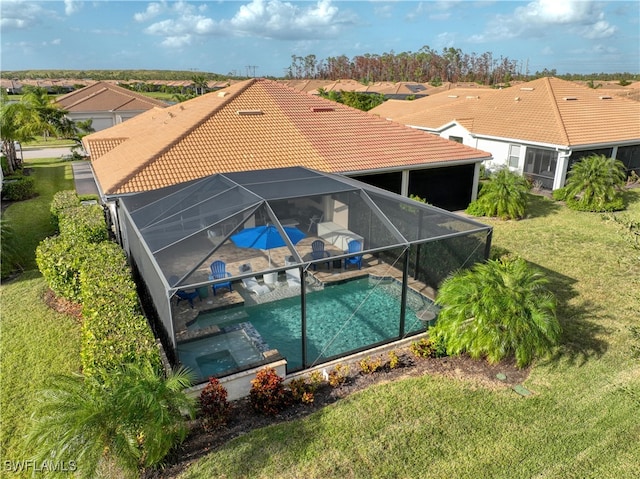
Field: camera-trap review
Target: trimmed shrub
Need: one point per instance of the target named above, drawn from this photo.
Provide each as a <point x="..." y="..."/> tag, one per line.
<point x="268" y="394"/>
<point x="214" y="406"/>
<point x="19" y="189"/>
<point x="61" y="201"/>
<point x="59" y="259"/>
<point x="85" y="223"/>
<point x="338" y="375"/>
<point x="617" y="204"/>
<point x="114" y="331"/>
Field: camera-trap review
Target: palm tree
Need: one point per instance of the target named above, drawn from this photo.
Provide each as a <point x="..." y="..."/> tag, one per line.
<point x="497" y="309"/>
<point x="134" y="417"/>
<point x="504" y="195"/>
<point x="594" y="182"/>
<point x="18" y="123"/>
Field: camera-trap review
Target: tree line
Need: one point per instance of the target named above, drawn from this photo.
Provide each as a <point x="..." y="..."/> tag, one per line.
<point x="427" y="66"/>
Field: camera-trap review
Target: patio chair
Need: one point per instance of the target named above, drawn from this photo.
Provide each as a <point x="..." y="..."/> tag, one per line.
<point x="318" y="252"/>
<point x="252" y="283"/>
<point x="182" y="295"/>
<point x="293" y="274"/>
<point x="314" y="220"/>
<point x="219" y="271"/>
<point x="354" y="247"/>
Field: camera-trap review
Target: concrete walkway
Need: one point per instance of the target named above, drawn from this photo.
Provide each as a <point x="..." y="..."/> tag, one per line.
<point x="84" y="179"/>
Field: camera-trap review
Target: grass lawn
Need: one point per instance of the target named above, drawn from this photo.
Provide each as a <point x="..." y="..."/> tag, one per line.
<point x="581" y="422"/>
<point x="35" y="342"/>
<point x="30" y="220"/>
<point x="41" y="141"/>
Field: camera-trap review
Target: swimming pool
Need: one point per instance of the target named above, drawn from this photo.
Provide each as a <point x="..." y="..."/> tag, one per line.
<point x="340" y="318"/>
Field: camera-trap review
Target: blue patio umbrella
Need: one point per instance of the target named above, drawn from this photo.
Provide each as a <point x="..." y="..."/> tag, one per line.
<point x="266" y="237"/>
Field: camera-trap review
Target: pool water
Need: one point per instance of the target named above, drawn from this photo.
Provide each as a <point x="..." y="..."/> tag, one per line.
<point x="231" y="349"/>
<point x="340" y="318"/>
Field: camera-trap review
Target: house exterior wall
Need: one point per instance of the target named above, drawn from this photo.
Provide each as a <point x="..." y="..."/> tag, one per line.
<point x="101" y="120"/>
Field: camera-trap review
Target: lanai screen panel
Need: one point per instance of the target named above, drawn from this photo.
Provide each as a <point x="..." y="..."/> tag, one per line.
<point x="419" y="222"/>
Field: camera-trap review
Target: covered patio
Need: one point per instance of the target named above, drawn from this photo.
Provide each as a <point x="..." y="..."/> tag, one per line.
<point x="383" y="257"/>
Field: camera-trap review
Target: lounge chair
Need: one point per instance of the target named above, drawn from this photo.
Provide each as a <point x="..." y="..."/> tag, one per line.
<point x="318" y="252"/>
<point x="293" y="274"/>
<point x="354" y="247"/>
<point x="219" y="271"/>
<point x="252" y="283"/>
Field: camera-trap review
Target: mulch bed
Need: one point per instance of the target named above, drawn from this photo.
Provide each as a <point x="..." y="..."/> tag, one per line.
<point x="244" y="420"/>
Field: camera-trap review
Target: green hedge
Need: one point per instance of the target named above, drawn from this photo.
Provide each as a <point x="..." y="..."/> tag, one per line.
<point x="19" y="189"/>
<point x="82" y="266"/>
<point x="61" y="201"/>
<point x="84" y="223"/>
<point x="114" y="330"/>
<point x="59" y="259"/>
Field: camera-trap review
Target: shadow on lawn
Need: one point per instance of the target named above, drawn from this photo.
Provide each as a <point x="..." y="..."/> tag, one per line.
<point x="540" y="206"/>
<point x="579" y="340"/>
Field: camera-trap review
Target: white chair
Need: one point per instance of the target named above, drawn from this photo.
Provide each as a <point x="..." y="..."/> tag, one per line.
<point x="293" y="274"/>
<point x="251" y="283"/>
<point x="314" y="220"/>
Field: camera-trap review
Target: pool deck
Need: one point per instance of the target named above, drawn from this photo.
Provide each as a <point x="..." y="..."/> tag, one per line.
<point x="184" y="315"/>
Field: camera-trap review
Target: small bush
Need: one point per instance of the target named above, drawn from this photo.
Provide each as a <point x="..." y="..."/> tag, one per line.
<point x="214" y="406"/>
<point x="617" y="204"/>
<point x="560" y="194"/>
<point x="268" y="394"/>
<point x="370" y="366"/>
<point x="85" y="223"/>
<point x="475" y="209"/>
<point x="59" y="259"/>
<point x="338" y="375"/>
<point x="394" y="360"/>
<point x="302" y="391"/>
<point x="423" y="348"/>
<point x="20" y="189"/>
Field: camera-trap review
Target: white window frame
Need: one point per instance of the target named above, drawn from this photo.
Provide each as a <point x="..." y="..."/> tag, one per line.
<point x="514" y="156"/>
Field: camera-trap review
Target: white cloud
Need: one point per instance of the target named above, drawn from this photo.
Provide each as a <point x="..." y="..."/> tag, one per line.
<point x="153" y="10"/>
<point x="284" y="20"/>
<point x="258" y="18"/>
<point x="177" y="41"/>
<point x="56" y="41"/>
<point x="540" y="17"/>
<point x="72" y="6"/>
<point x="17" y="15"/>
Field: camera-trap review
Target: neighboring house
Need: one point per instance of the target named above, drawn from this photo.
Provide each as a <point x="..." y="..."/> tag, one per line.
<point x="106" y="104"/>
<point x="261" y="124"/>
<point x="539" y="128"/>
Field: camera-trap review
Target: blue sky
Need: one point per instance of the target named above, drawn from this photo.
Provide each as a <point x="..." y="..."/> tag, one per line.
<point x="228" y="36"/>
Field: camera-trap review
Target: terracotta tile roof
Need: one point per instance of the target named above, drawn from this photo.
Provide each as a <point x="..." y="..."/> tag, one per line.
<point x="546" y="110"/>
<point x="104" y="96"/>
<point x="257" y="124"/>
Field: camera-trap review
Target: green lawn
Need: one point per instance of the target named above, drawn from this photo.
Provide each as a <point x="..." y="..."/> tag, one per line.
<point x="30" y="220"/>
<point x="583" y="420"/>
<point x="35" y="342"/>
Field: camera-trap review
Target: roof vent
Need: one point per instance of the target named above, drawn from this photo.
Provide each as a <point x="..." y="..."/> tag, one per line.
<point x="606" y="97"/>
<point x="472" y="97"/>
<point x="222" y="93"/>
<point x="570" y="98"/>
<point x="322" y="109"/>
<point x="249" y="112"/>
<point x="452" y="96"/>
<point x="517" y="98"/>
<point x="527" y="88"/>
